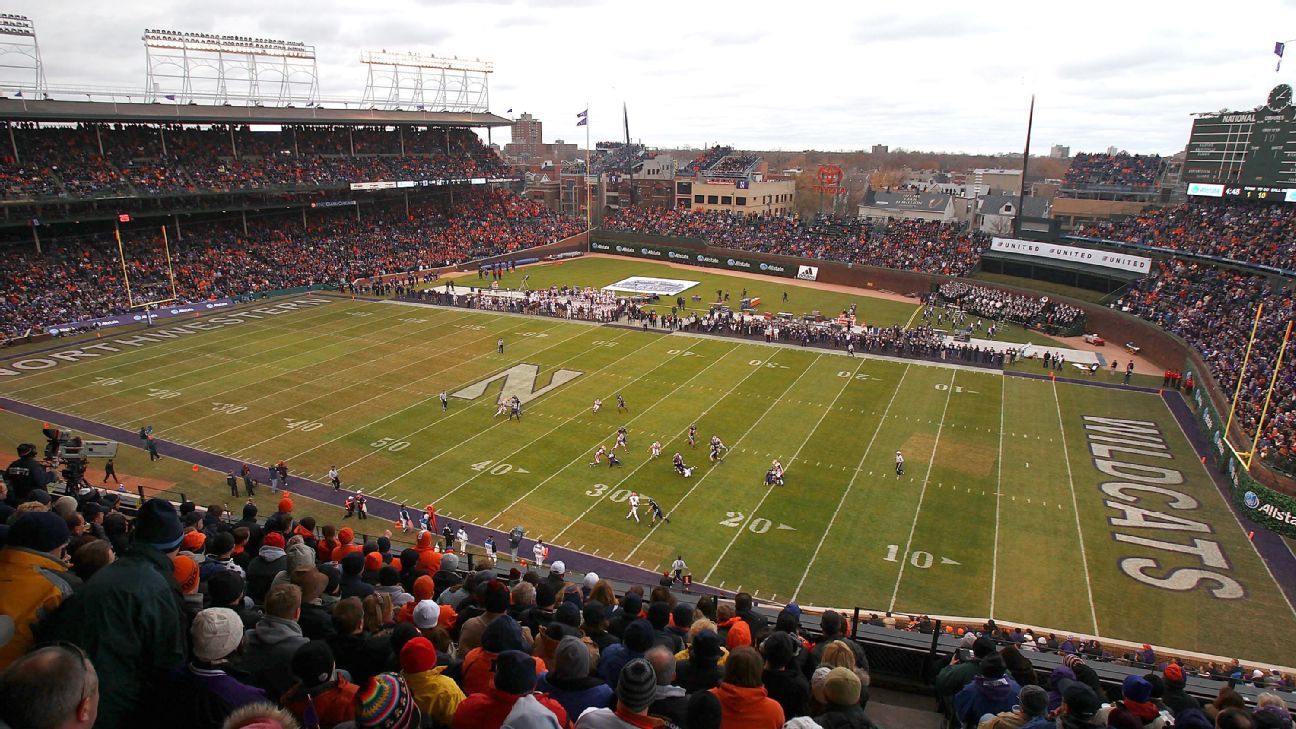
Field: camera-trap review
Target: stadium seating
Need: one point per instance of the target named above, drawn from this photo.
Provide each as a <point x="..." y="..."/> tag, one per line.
<point x="1121" y="172"/>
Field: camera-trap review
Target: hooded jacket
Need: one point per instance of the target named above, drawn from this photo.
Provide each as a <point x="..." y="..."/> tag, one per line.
<point x="985" y="696"/>
<point x="436" y="694"/>
<point x="32" y="585"/>
<point x="261" y="571"/>
<point x="747" y="708"/>
<point x="268" y="652"/>
<point x="490" y="708"/>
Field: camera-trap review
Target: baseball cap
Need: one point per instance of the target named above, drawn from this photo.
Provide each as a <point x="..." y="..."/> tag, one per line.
<point x="426" y="614"/>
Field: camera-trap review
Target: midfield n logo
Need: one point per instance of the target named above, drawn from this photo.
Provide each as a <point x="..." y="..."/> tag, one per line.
<point x="519" y="380"/>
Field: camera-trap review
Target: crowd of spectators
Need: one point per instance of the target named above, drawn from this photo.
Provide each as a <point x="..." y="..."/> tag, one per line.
<point x="88" y="161"/>
<point x="1133" y="172"/>
<point x="704" y="160"/>
<point x="999" y="305"/>
<point x="81" y="278"/>
<point x="185" y="617"/>
<point x="1242" y="231"/>
<point x="910" y="245"/>
<point x="738" y="163"/>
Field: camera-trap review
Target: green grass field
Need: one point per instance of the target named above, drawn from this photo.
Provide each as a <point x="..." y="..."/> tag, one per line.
<point x="1000" y="512"/>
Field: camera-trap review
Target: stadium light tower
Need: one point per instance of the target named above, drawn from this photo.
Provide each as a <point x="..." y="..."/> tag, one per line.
<point x="228" y="69"/>
<point x="21" y="69"/>
<point x="426" y="83"/>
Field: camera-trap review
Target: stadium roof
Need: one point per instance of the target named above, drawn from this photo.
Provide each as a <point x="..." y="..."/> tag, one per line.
<point x="100" y="111"/>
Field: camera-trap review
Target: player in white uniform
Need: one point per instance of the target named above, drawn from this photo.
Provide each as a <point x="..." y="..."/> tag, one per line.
<point x="503" y="407"/>
<point x="634" y="507"/>
<point x="621" y="439"/>
<point x="899" y="464"/>
<point x="678" y="462"/>
<point x="597" y="404"/>
<point x="774" y="476"/>
<point x="461" y="540"/>
<point x="656" y="449"/>
<point x="716" y="447"/>
<point x="598" y="455"/>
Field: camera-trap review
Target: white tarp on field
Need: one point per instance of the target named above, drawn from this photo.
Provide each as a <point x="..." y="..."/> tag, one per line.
<point x="649" y="285"/>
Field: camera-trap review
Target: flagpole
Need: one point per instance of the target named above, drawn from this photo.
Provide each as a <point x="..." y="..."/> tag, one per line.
<point x="588" y="201"/>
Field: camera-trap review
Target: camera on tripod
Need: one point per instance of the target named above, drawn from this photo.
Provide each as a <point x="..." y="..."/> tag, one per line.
<point x="74" y="452"/>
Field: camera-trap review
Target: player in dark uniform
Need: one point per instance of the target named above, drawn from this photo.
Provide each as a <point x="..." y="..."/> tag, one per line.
<point x="613" y="461"/>
<point x="515" y="408"/>
<point x="621" y="439"/>
<point x="678" y="462"/>
<point x="692" y="435"/>
<point x="716" y="447"/>
<point x="621" y="406"/>
<point x="774" y="476"/>
<point x="657" y="513"/>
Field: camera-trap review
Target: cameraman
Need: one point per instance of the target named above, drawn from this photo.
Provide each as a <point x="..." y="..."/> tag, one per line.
<point x="26" y="475"/>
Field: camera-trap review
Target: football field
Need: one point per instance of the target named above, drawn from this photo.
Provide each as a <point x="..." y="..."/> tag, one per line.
<point x="1077" y="508"/>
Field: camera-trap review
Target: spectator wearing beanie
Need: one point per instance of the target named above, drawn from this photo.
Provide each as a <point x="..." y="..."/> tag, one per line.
<point x="270" y="646"/>
<point x="636" y="642"/>
<point x="299" y="556"/>
<point x="743" y="700"/>
<point x="219" y="558"/>
<point x="385" y="702"/>
<point x="1175" y="697"/>
<point x="345" y="546"/>
<point x="781" y="679"/>
<point x="203" y="694"/>
<point x="185" y="572"/>
<point x="514" y="681"/>
<point x="322" y="695"/>
<point x="137" y="596"/>
<point x="436" y="694"/>
<point x="635" y="692"/>
<point x="360" y="655"/>
<point x="1031" y="711"/>
<point x="316" y="621"/>
<point x="1079" y="705"/>
<point x="353" y="584"/>
<point x="958" y="673"/>
<point x="271" y="559"/>
<point x="503" y="634"/>
<point x="445" y="575"/>
<point x="701" y="670"/>
<point x="225" y="589"/>
<point x="566" y="623"/>
<point x="1135" y="709"/>
<point x="627" y="612"/>
<point x="372" y="563"/>
<point x="496" y="603"/>
<point x="33" y="578"/>
<point x="569" y="681"/>
<point x="842" y="710"/>
<point x="992" y="691"/>
<point x="424" y="589"/>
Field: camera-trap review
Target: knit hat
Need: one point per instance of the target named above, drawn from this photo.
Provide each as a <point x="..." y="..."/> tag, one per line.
<point x="706" y="646"/>
<point x="224" y="587"/>
<point x="515" y="672"/>
<point x="285" y="505"/>
<point x="704" y="709"/>
<point x="300" y="556"/>
<point x="793" y="608"/>
<point x="568" y="614"/>
<point x="273" y="539"/>
<point x="842" y="687"/>
<point x="682" y="614"/>
<point x="193" y="541"/>
<point x="373" y="562"/>
<point x="1072" y="660"/>
<point x="346" y="535"/>
<point x="817" y="681"/>
<point x="545" y="595"/>
<point x="1136" y="688"/>
<point x="739" y="635"/>
<point x="221" y="543"/>
<point x="417" y="655"/>
<point x="39" y="531"/>
<point x="312" y="664"/>
<point x="217" y="632"/>
<point x="386" y="703"/>
<point x="185" y="571"/>
<point x="638" y="636"/>
<point x="637" y="686"/>
<point x="502" y="634"/>
<point x="1080" y="700"/>
<point x="1174" y="673"/>
<point x="779" y="649"/>
<point x="449" y="562"/>
<point x="426" y="614"/>
<point x="64" y="506"/>
<point x="659" y="614"/>
<point x="497" y="597"/>
<point x="353" y="564"/>
<point x="424" y="587"/>
<point x="158" y="524"/>
<point x="571" y="658"/>
<point x="1033" y="700"/>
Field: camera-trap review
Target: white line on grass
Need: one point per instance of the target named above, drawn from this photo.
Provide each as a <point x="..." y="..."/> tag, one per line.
<point x="768" y="409"/>
<point x="768" y="489"/>
<point x="931" y="463"/>
<point x="858" y="469"/>
<point x="1075" y="509"/>
<point x="994" y="561"/>
<point x="584" y="454"/>
<point x="418" y="403"/>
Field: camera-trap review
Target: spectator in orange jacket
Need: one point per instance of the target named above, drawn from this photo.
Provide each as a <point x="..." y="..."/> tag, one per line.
<point x="744" y="703"/>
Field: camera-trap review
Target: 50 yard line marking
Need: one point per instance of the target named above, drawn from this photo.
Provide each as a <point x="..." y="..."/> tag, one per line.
<point x="931" y="462"/>
<point x="1075" y="509"/>
<point x="768" y="489"/>
<point x="994" y="561"/>
<point x="854" y="476"/>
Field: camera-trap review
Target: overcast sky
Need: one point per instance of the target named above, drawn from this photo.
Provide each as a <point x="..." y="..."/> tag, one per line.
<point x="935" y="75"/>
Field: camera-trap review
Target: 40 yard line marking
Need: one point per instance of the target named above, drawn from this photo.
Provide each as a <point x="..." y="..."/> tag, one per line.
<point x="858" y="469"/>
<point x="994" y="561"/>
<point x="931" y="461"/>
<point x="1075" y="509"/>
<point x="769" y="490"/>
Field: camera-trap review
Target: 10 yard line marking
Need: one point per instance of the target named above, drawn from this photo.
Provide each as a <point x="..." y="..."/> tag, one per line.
<point x="769" y="489"/>
<point x="859" y="469"/>
<point x="1075" y="509"/>
<point x="768" y="409"/>
<point x="994" y="561"/>
<point x="931" y="462"/>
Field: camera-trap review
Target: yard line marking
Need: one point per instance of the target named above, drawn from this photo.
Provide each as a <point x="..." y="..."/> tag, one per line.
<point x="747" y="432"/>
<point x="418" y="403"/>
<point x="1075" y="507"/>
<point x="851" y="484"/>
<point x="584" y="454"/>
<point x="435" y="355"/>
<point x="580" y="412"/>
<point x="994" y="561"/>
<point x="921" y="494"/>
<point x="768" y="490"/>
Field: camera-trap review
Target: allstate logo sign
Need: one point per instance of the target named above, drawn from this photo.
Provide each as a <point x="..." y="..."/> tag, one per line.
<point x="764" y="267"/>
<point x="730" y="262"/>
<point x="1251" y="500"/>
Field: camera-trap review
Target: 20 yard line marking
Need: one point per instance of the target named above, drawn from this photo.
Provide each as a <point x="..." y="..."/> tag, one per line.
<point x="931" y="462"/>
<point x="994" y="561"/>
<point x="850" y="485"/>
<point x="769" y="490"/>
<point x="1075" y="508"/>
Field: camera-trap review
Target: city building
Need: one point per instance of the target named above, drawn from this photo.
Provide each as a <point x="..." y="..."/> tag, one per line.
<point x="1060" y="151"/>
<point x="880" y="149"/>
<point x="992" y="181"/>
<point x="527" y="129"/>
<point x="907" y="205"/>
<point x="996" y="213"/>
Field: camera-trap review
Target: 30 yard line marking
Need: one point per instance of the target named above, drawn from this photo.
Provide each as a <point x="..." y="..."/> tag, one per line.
<point x="752" y="427"/>
<point x="994" y="560"/>
<point x="850" y="485"/>
<point x="931" y="461"/>
<point x="769" y="490"/>
<point x="1075" y="508"/>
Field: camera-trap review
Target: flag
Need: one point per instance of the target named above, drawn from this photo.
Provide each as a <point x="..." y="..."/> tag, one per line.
<point x="1278" y="48"/>
<point x="169" y="97"/>
<point x="510" y="111"/>
<point x="18" y="94"/>
<point x="582" y="118"/>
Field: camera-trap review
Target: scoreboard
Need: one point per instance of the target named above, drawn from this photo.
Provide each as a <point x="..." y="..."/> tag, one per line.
<point x="1248" y="153"/>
